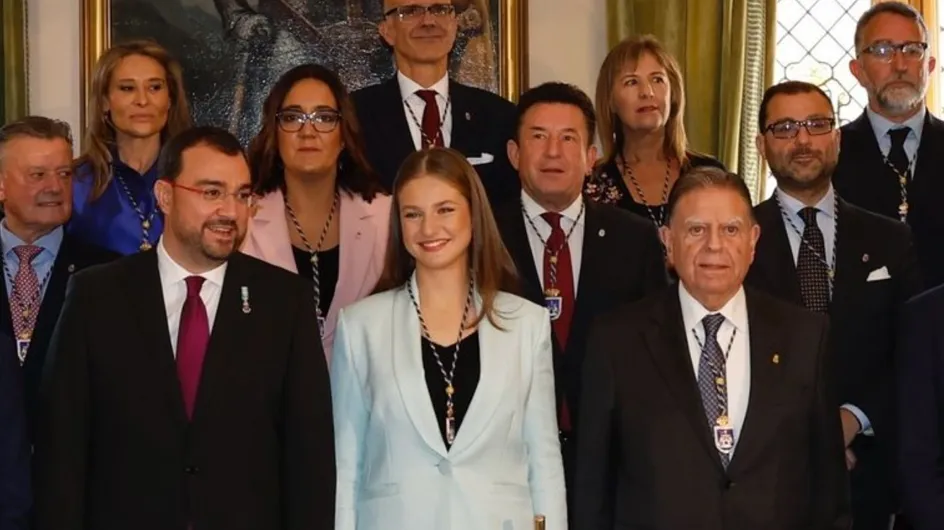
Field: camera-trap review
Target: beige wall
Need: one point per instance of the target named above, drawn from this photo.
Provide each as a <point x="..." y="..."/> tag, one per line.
<point x="565" y="44"/>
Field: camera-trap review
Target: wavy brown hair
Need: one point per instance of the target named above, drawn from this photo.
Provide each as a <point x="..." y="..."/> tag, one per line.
<point x="355" y="174"/>
<point x="100" y="136"/>
<point x="627" y="53"/>
<point x="491" y="265"/>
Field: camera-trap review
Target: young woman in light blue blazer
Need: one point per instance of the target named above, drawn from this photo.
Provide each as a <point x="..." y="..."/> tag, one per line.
<point x="442" y="382"/>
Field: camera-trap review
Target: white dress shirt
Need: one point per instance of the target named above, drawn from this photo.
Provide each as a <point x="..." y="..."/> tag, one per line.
<point x="533" y="211"/>
<point x="826" y="221"/>
<point x="738" y="364"/>
<point x="174" y="287"/>
<point x="408" y="88"/>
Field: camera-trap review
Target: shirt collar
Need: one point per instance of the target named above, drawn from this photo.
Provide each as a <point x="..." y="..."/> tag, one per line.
<point x="408" y="87"/>
<point x="826" y="205"/>
<point x="50" y="242"/>
<point x="172" y="272"/>
<point x="881" y="125"/>
<point x="735" y="311"/>
<point x="534" y="210"/>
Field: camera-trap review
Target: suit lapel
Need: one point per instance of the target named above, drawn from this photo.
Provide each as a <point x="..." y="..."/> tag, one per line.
<point x="232" y="332"/>
<point x="851" y="262"/>
<point x="667" y="345"/>
<point x="358" y="235"/>
<point x="493" y="352"/>
<point x="518" y="243"/>
<point x="766" y="353"/>
<point x="463" y="120"/>
<point x="143" y="286"/>
<point x="409" y="374"/>
<point x="591" y="274"/>
<point x="268" y="233"/>
<point x="774" y="256"/>
<point x="398" y="135"/>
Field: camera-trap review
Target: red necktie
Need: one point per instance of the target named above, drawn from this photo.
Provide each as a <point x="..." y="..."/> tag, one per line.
<point x="192" y="340"/>
<point x="432" y="121"/>
<point x="565" y="287"/>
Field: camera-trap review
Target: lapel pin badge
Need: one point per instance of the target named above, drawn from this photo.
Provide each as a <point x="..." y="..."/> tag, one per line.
<point x="468" y="116"/>
<point x="71" y="268"/>
<point x="775" y="359"/>
<point x="244" y="294"/>
<point x="601" y="233"/>
<point x="865" y="258"/>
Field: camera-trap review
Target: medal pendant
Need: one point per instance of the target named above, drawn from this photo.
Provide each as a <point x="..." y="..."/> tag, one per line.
<point x="724" y="438"/>
<point x="145" y="246"/>
<point x="22" y="345"/>
<point x="450" y="429"/>
<point x="554" y="305"/>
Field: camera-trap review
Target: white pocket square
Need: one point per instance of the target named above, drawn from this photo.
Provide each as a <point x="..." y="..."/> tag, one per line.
<point x="479" y="160"/>
<point x="878" y="275"/>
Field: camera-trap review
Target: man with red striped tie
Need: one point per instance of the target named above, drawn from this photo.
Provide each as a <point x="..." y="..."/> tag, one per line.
<point x="186" y="386"/>
<point x="577" y="258"/>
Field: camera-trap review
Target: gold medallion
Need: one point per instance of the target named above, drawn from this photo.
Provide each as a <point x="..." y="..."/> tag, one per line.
<point x="145" y="246"/>
<point x="450" y="391"/>
<point x="550" y="291"/>
<point x="553" y="259"/>
<point x="722" y="420"/>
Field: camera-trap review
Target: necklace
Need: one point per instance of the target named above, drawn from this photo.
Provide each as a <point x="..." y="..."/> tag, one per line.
<point x="145" y="221"/>
<point x="27" y="310"/>
<point x="315" y="269"/>
<point x="723" y="431"/>
<point x="830" y="266"/>
<point x="628" y="171"/>
<point x="903" y="184"/>
<point x="427" y="141"/>
<point x="552" y="294"/>
<point x="448" y="377"/>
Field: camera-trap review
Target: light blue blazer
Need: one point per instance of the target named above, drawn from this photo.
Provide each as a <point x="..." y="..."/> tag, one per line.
<point x="394" y="470"/>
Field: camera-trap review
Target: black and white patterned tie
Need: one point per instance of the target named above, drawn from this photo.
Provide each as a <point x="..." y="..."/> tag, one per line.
<point x="812" y="270"/>
<point x="711" y="361"/>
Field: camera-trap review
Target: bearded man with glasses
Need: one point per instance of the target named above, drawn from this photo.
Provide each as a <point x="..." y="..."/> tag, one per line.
<point x="822" y="253"/>
<point x="422" y="107"/>
<point x="891" y="155"/>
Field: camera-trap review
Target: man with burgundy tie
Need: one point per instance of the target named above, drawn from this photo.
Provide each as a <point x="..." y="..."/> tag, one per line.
<point x="576" y="257"/>
<point x="187" y="388"/>
<point x="822" y="253"/>
<point x="37" y="255"/>
<point x="891" y="155"/>
<point x="710" y="405"/>
<point x="421" y="106"/>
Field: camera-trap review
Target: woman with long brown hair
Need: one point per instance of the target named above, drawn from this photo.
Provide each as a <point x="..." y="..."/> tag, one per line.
<point x="322" y="213"/>
<point x="640" y="104"/>
<point x="442" y="382"/>
<point x="136" y="102"/>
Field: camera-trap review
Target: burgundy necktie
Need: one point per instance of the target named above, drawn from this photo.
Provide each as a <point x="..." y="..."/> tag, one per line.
<point x="192" y="339"/>
<point x="565" y="286"/>
<point x="432" y="121"/>
<point x="24" y="300"/>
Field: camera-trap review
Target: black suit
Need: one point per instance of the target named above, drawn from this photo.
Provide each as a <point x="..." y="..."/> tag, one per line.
<point x="645" y="453"/>
<point x="863" y="323"/>
<point x="622" y="265"/>
<point x="863" y="178"/>
<point x="114" y="447"/>
<point x="73" y="256"/>
<point x="14" y="447"/>
<point x="482" y="123"/>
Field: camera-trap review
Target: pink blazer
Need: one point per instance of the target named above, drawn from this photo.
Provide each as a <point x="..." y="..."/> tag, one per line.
<point x="363" y="241"/>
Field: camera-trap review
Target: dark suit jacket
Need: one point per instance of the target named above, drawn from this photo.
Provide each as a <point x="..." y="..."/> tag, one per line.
<point x="863" y="323"/>
<point x="482" y="123"/>
<point x="863" y="178"/>
<point x="623" y="265"/>
<point x="14" y="446"/>
<point x="921" y="410"/>
<point x="73" y="256"/>
<point x="645" y="453"/>
<point x="114" y="447"/>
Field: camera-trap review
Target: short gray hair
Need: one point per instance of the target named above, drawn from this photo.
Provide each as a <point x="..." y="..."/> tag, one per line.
<point x="39" y="127"/>
<point x="892" y="7"/>
<point x="705" y="177"/>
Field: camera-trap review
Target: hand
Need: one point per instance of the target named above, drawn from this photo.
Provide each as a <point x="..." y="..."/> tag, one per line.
<point x="850" y="459"/>
<point x="850" y="426"/>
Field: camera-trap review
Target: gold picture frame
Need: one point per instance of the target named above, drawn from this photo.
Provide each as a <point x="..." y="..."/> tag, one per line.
<point x="15" y="83"/>
<point x="97" y="23"/>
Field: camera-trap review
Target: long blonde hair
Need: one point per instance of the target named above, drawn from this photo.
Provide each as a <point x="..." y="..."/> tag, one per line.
<point x="491" y="264"/>
<point x="609" y="126"/>
<point x="100" y="132"/>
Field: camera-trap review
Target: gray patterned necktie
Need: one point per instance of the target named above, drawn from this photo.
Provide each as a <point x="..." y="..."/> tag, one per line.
<point x="711" y="361"/>
<point x="812" y="271"/>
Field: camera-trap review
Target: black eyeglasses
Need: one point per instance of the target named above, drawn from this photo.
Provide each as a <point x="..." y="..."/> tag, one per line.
<point x="885" y="51"/>
<point x="413" y="12"/>
<point x="324" y="121"/>
<point x="788" y="129"/>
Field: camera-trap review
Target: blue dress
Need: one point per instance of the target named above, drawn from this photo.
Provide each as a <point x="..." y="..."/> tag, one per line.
<point x="111" y="221"/>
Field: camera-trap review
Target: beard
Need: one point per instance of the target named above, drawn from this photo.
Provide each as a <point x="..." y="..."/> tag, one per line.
<point x="900" y="99"/>
<point x="789" y="179"/>
<point x="204" y="243"/>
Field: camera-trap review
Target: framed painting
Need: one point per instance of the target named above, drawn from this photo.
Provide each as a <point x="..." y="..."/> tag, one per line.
<point x="13" y="80"/>
<point x="232" y="51"/>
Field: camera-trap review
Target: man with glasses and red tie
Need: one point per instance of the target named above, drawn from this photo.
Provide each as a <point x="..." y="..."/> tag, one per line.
<point x="890" y="156"/>
<point x="187" y="387"/>
<point x="421" y="107"/>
